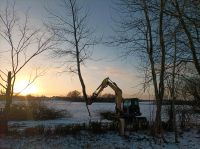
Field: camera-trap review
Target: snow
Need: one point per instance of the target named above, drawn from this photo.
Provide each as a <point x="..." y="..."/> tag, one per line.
<point x="79" y="113"/>
<point x="77" y="110"/>
<point x="110" y="140"/>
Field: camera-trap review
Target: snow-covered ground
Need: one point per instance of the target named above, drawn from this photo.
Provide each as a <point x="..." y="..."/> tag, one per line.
<point x="188" y="140"/>
<point x="111" y="140"/>
<point x="78" y="113"/>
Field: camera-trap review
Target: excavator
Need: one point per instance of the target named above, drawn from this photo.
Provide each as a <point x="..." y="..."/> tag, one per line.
<point x="128" y="113"/>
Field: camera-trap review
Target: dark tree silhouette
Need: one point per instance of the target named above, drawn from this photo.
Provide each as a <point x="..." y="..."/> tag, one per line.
<point x="141" y="31"/>
<point x="74" y="94"/>
<point x="22" y="42"/>
<point x="72" y="31"/>
<point x="188" y="14"/>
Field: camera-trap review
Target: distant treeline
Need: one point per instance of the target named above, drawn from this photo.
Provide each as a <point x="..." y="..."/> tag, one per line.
<point x="99" y="99"/>
<point x="80" y="99"/>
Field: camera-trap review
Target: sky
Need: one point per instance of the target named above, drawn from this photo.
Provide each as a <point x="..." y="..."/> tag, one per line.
<point x="106" y="61"/>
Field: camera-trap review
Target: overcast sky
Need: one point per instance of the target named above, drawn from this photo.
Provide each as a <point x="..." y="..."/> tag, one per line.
<point x="108" y="63"/>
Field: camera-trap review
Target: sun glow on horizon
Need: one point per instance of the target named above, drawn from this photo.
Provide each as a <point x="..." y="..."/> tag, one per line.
<point x="22" y="88"/>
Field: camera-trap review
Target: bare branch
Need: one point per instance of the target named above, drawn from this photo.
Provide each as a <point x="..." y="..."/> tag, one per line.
<point x="30" y="81"/>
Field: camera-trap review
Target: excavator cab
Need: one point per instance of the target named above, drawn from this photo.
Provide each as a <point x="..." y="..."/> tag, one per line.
<point x="131" y="107"/>
<point x="132" y="114"/>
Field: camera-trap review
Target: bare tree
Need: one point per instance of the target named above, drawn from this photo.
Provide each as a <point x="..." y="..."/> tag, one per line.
<point x="172" y="90"/>
<point x="188" y="15"/>
<point x="72" y="31"/>
<point x="23" y="43"/>
<point x="140" y="27"/>
<point x="74" y="94"/>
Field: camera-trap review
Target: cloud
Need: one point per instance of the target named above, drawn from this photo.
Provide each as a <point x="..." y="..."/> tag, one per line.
<point x="112" y="72"/>
<point x="119" y="72"/>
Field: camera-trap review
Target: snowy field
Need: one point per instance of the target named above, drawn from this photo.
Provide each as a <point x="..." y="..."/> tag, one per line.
<point x="78" y="113"/>
<point x="137" y="140"/>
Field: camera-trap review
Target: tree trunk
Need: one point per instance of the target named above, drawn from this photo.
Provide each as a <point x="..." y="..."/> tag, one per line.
<point x="158" y="122"/>
<point x="78" y="56"/>
<point x="173" y="92"/>
<point x="83" y="87"/>
<point x="189" y="36"/>
<point x="8" y="93"/>
<point x="150" y="48"/>
<point x="80" y="75"/>
<point x="4" y="114"/>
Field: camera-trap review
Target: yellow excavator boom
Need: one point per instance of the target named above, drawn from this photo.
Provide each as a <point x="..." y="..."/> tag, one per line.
<point x="118" y="93"/>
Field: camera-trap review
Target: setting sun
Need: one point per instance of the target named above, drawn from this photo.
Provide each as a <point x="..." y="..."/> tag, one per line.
<point x="22" y="88"/>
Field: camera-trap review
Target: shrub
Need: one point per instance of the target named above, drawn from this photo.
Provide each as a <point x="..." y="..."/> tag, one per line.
<point x="35" y="110"/>
<point x="96" y="127"/>
<point x="68" y="129"/>
<point x="74" y="94"/>
<point x="33" y="131"/>
<point x="109" y="115"/>
<point x="13" y="132"/>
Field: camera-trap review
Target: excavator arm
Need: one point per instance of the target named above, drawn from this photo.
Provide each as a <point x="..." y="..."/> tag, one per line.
<point x="118" y="93"/>
<point x="129" y="111"/>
